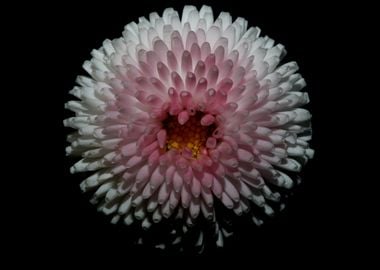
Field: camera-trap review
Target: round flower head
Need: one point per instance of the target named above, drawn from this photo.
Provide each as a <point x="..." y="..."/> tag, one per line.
<point x="186" y="112"/>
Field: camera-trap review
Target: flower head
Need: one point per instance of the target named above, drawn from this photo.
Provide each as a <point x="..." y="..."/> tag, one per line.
<point x="182" y="112"/>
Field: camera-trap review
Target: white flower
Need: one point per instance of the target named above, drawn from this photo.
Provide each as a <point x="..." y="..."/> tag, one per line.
<point x="182" y="112"/>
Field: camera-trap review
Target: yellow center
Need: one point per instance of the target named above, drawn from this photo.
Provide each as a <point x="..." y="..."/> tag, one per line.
<point x="191" y="135"/>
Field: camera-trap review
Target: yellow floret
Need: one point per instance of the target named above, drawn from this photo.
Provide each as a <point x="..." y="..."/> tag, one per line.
<point x="191" y="135"/>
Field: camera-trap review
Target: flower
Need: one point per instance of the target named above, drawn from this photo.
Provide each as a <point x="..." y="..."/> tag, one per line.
<point x="182" y="112"/>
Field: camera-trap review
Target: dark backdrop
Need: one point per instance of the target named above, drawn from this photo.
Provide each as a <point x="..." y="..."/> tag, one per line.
<point x="308" y="228"/>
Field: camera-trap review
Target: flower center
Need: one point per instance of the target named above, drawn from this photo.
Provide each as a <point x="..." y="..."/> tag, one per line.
<point x="188" y="138"/>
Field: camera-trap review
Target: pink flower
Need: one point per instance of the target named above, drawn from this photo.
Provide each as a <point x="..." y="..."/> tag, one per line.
<point x="182" y="112"/>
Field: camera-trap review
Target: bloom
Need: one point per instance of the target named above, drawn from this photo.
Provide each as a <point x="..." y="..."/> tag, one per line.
<point x="182" y="112"/>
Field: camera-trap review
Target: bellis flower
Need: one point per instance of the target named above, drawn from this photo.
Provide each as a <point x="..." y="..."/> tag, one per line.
<point x="183" y="112"/>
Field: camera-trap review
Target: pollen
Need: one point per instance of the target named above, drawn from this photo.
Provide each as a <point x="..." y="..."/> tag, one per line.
<point x="191" y="135"/>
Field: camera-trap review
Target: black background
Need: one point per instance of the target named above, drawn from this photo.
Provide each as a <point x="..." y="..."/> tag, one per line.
<point x="311" y="227"/>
